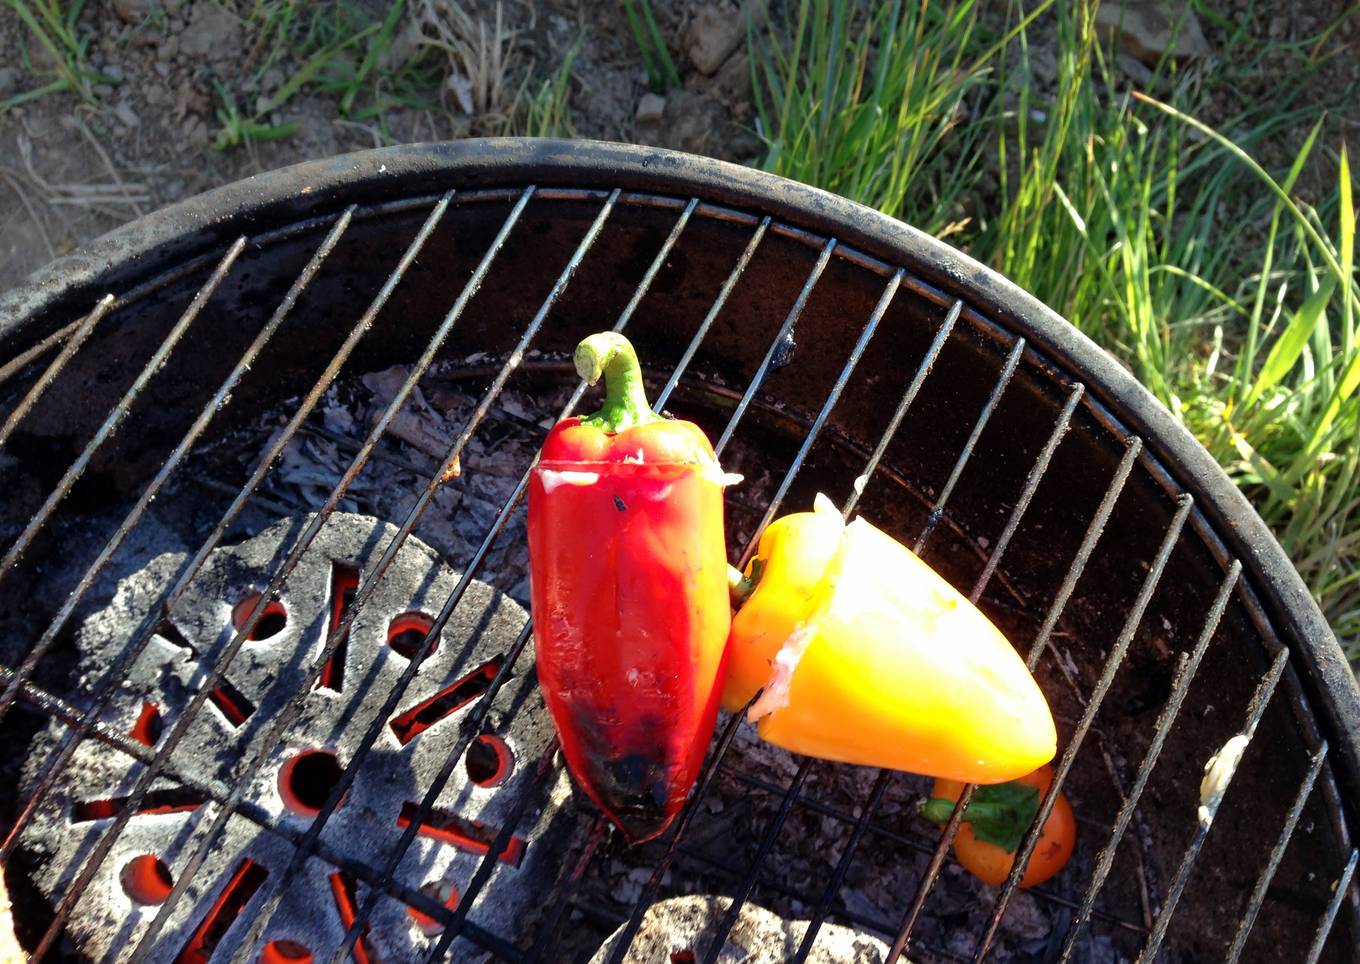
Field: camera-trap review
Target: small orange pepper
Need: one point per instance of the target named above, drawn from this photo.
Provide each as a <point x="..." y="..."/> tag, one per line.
<point x="864" y="654"/>
<point x="994" y="824"/>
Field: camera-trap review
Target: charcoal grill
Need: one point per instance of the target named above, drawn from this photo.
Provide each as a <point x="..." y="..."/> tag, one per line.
<point x="150" y="382"/>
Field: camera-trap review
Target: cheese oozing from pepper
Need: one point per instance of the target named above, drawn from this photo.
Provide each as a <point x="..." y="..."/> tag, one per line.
<point x="552" y="478"/>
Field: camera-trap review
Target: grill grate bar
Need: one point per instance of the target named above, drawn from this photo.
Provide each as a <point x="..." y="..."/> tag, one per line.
<point x="748" y="882"/>
<point x="653" y="885"/>
<point x="77" y="338"/>
<point x="782" y="344"/>
<point x="778" y="886"/>
<point x="645" y="284"/>
<point x="484" y="869"/>
<point x="1031" y="485"/>
<point x="783" y="337"/>
<point x="833" y="886"/>
<point x="914" y="844"/>
<point x="1259" y="700"/>
<point x="1112" y="664"/>
<point x="176" y="732"/>
<point x="1334" y="905"/>
<point x="1133" y="447"/>
<point x="58" y="709"/>
<point x="394" y="696"/>
<point x="1185" y="674"/>
<point x="219" y="400"/>
<point x="113" y="678"/>
<point x="566" y="888"/>
<point x="937" y="510"/>
<point x="114" y="420"/>
<point x="639" y="908"/>
<point x="369" y="581"/>
<point x="832" y="398"/>
<point x="908" y="397"/>
<point x="1258" y="894"/>
<point x="1036" y="474"/>
<point x="733" y="277"/>
<point x="478" y="714"/>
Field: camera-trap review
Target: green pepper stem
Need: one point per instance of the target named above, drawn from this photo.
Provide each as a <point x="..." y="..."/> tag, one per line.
<point x="938" y="810"/>
<point x="740" y="586"/>
<point x="611" y="356"/>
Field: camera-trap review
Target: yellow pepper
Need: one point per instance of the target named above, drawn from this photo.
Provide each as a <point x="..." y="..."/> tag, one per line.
<point x="866" y="655"/>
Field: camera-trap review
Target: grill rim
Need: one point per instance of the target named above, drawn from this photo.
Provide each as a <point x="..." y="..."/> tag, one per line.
<point x="211" y="221"/>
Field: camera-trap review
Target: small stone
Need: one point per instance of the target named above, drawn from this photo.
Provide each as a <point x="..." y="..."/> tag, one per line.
<point x="113" y="72"/>
<point x="211" y="32"/>
<point x="1135" y="70"/>
<point x="714" y="33"/>
<point x="135" y="11"/>
<point x="164" y="70"/>
<point x="272" y="80"/>
<point x="650" y="108"/>
<point x="168" y="50"/>
<point x="1148" y="29"/>
<point x="126" y="115"/>
<point x="9" y="80"/>
<point x="102" y="90"/>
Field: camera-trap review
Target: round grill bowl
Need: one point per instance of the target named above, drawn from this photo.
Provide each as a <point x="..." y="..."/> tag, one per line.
<point x="1093" y="527"/>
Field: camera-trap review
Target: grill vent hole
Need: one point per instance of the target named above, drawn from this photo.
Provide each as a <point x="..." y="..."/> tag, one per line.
<point x="439" y="890"/>
<point x="285" y="952"/>
<point x="489" y="761"/>
<point x="407" y="632"/>
<point x="147" y="729"/>
<point x="271" y="622"/>
<point x="306" y="780"/>
<point x="147" y="880"/>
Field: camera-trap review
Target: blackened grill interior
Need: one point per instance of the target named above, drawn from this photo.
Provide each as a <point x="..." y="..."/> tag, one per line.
<point x="917" y="463"/>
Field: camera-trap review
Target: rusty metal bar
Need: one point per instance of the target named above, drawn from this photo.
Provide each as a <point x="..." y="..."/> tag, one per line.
<point x="115" y="419"/>
<point x="1342" y="885"/>
<point x="1208" y="808"/>
<point x="1258" y="893"/>
<point x="380" y="719"/>
<point x="480" y="710"/>
<point x="1112" y="664"/>
<point x="114" y="677"/>
<point x="1074" y="571"/>
<point x="77" y="338"/>
<point x="369" y="581"/>
<point x="833" y="885"/>
<point x="781" y="338"/>
<point x="926" y="364"/>
<point x="171" y="739"/>
<point x="780" y="351"/>
<point x="937" y="510"/>
<point x="824" y="413"/>
<point x="219" y="401"/>
<point x="908" y="397"/>
<point x="1185" y="674"/>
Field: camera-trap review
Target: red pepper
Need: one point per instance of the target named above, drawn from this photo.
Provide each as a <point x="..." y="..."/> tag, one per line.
<point x="628" y="576"/>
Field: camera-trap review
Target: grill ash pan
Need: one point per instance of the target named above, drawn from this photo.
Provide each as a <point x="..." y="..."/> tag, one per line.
<point x="321" y="729"/>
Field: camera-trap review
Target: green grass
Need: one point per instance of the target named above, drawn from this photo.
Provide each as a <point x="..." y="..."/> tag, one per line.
<point x="329" y="49"/>
<point x="656" y="59"/>
<point x="55" y="30"/>
<point x="548" y="109"/>
<point x="1231" y="299"/>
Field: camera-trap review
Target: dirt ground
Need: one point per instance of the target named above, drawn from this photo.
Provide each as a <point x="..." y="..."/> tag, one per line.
<point x="71" y="170"/>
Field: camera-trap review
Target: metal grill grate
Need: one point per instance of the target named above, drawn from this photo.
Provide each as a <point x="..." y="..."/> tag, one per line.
<point x="1185" y="522"/>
